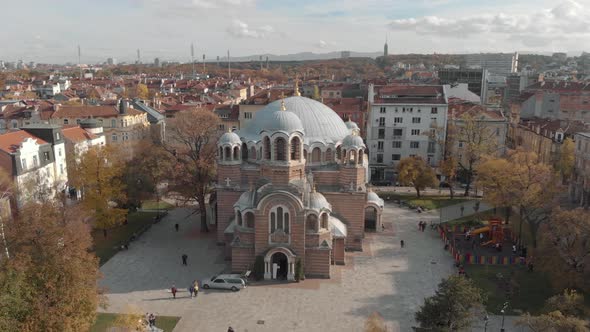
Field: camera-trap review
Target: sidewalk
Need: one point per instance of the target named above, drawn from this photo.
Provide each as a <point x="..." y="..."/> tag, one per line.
<point x="454" y="211"/>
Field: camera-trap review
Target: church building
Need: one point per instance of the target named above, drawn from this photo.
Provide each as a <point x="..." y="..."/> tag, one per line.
<point x="292" y="187"/>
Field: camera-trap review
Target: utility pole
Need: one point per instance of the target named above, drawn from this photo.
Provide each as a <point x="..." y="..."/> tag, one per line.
<point x="80" y="62"/>
<point x="193" y="59"/>
<point x="228" y="66"/>
<point x="204" y="70"/>
<point x="138" y="57"/>
<point x="260" y="60"/>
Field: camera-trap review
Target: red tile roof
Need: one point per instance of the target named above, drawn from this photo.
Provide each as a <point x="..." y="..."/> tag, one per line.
<point x="90" y="111"/>
<point x="11" y="142"/>
<point x="77" y="134"/>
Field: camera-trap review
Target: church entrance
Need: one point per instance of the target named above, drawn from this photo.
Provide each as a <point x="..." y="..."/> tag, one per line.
<point x="370" y="219"/>
<point x="279" y="266"/>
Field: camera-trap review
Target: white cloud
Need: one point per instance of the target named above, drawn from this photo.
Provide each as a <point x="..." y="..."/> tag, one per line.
<point x="240" y="29"/>
<point x="537" y="28"/>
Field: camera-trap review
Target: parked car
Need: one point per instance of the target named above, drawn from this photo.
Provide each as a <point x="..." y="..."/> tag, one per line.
<point x="232" y="282"/>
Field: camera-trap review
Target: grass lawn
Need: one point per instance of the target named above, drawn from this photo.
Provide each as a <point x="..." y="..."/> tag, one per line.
<point x="105" y="320"/>
<point x="428" y="202"/>
<point x="105" y="248"/>
<point x="531" y="289"/>
<point x="153" y="205"/>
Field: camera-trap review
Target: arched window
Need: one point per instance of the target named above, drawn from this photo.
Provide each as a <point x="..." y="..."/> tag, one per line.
<point x="239" y="218"/>
<point x="280" y="149"/>
<point x="295" y="148"/>
<point x="66" y="121"/>
<point x="311" y="225"/>
<point x="329" y="155"/>
<point x="220" y="156"/>
<point x="244" y="151"/>
<point x="266" y="141"/>
<point x="249" y="216"/>
<point x="227" y="154"/>
<point x="305" y="154"/>
<point x="259" y="153"/>
<point x="338" y="153"/>
<point x="324" y="222"/>
<point x="344" y="156"/>
<point x="353" y="156"/>
<point x="279" y="219"/>
<point x="316" y="155"/>
<point x="236" y="153"/>
<point x="253" y="153"/>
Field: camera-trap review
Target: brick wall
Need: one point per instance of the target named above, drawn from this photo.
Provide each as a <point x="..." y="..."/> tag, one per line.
<point x="228" y="171"/>
<point x="242" y="259"/>
<point x="317" y="263"/>
<point x="350" y="174"/>
<point x="326" y="177"/>
<point x="338" y="251"/>
<point x="225" y="210"/>
<point x="351" y="206"/>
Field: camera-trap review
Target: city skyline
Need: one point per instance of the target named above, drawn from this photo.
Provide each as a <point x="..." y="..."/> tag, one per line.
<point x="166" y="29"/>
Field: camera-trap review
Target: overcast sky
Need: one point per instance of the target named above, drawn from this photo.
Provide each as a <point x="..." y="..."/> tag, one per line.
<point x="50" y="30"/>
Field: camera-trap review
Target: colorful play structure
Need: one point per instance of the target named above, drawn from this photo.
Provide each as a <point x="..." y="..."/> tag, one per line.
<point x="461" y="246"/>
<point x="494" y="230"/>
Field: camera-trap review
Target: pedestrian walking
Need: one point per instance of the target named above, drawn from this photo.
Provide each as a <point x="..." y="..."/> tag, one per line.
<point x="174" y="290"/>
<point x="176" y="226"/>
<point x="184" y="258"/>
<point x="382" y="227"/>
<point x="230" y="329"/>
<point x="514" y="249"/>
<point x="401" y="243"/>
<point x="152" y="320"/>
<point x="147" y="319"/>
<point x="462" y="209"/>
<point x="196" y="287"/>
<point x="191" y="290"/>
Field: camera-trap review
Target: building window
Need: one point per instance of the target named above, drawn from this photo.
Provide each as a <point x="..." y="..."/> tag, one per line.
<point x="396" y="144"/>
<point x="381" y="122"/>
<point x="221" y="127"/>
<point x="279" y="220"/>
<point x="414" y="145"/>
<point x="460" y="144"/>
<point x="397" y="133"/>
<point x="280" y="149"/>
<point x="416" y="120"/>
<point x="23" y="163"/>
<point x="382" y="110"/>
<point x="59" y="152"/>
<point x="434" y="110"/>
<point x="433" y="120"/>
<point x="14" y="124"/>
<point x="114" y="123"/>
<point x="395" y="157"/>
<point x="380" y="146"/>
<point x="57" y="136"/>
<point x="61" y="169"/>
<point x="78" y="121"/>
<point x="114" y="137"/>
<point x="381" y="134"/>
<point x="431" y="147"/>
<point x="66" y="121"/>
<point x="247" y="115"/>
<point x="380" y="158"/>
<point x="46" y="155"/>
<point x="398" y="120"/>
<point x="415" y="132"/>
<point x="35" y="161"/>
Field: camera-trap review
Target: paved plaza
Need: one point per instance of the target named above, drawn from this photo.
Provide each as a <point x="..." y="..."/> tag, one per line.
<point x="384" y="278"/>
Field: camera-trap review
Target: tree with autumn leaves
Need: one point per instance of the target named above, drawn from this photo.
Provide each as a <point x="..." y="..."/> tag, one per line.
<point x="49" y="283"/>
<point x="191" y="141"/>
<point x="415" y="172"/>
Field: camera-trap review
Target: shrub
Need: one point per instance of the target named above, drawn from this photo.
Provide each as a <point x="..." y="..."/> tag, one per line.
<point x="299" y="275"/>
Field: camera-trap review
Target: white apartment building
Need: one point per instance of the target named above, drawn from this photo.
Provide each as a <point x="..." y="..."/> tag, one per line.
<point x="404" y="121"/>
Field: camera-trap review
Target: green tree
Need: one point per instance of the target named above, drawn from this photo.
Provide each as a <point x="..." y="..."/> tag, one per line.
<point x="452" y="307"/>
<point x="191" y="140"/>
<point x="564" y="312"/>
<point x="415" y="172"/>
<point x="49" y="283"/>
<point x="99" y="175"/>
<point x="565" y="164"/>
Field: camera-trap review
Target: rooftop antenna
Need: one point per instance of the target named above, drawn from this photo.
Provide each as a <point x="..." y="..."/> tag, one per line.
<point x="228" y="66"/>
<point x="193" y="58"/>
<point x="80" y="62"/>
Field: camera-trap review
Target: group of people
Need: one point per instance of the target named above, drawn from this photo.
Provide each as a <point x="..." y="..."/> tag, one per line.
<point x="193" y="289"/>
<point x="422" y="225"/>
<point x="150" y="319"/>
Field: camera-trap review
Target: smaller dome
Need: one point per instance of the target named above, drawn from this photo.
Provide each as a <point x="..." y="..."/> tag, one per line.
<point x="318" y="202"/>
<point x="351" y="125"/>
<point x="229" y="138"/>
<point x="372" y="197"/>
<point x="353" y="141"/>
<point x="284" y="121"/>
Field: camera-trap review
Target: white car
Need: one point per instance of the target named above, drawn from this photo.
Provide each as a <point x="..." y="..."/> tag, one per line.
<point x="232" y="282"/>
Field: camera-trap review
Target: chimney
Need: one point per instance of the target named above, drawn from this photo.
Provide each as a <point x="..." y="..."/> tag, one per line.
<point x="123" y="106"/>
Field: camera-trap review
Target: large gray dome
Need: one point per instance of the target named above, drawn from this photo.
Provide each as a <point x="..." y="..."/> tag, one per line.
<point x="320" y="123"/>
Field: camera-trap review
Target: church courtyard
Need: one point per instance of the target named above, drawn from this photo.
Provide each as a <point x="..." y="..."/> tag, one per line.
<point x="384" y="278"/>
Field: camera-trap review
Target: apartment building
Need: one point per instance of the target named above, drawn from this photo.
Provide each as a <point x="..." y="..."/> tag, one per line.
<point x="404" y="121"/>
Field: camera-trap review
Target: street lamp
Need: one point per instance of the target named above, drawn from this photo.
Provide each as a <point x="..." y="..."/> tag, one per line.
<point x="486" y="320"/>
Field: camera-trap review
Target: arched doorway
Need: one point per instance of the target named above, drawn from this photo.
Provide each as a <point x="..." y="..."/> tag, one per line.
<point x="371" y="219"/>
<point x="279" y="262"/>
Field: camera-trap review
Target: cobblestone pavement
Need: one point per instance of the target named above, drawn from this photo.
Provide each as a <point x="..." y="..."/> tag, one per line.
<point x="383" y="278"/>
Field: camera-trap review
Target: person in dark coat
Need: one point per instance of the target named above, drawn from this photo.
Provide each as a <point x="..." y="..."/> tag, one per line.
<point x="184" y="258"/>
<point x="401" y="243"/>
<point x="176" y="226"/>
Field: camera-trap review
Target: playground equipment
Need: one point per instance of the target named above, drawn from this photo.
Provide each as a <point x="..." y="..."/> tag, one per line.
<point x="495" y="230"/>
